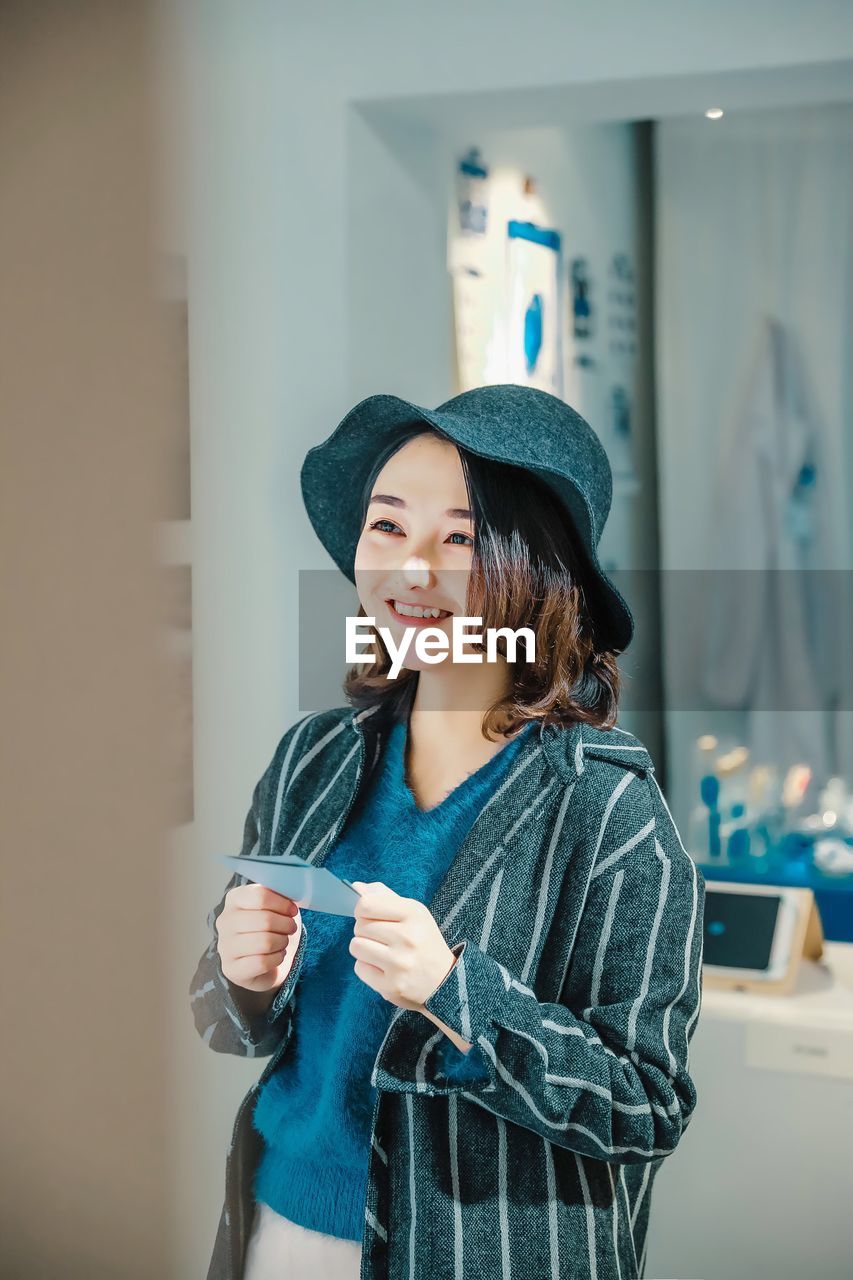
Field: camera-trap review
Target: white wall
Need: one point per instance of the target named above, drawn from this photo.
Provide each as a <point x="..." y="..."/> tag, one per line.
<point x="277" y="354"/>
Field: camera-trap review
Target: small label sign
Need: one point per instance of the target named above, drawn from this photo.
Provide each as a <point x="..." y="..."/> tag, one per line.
<point x="819" y="1051"/>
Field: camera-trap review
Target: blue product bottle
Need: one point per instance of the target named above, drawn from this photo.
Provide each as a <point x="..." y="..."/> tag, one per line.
<point x="709" y="790"/>
<point x="738" y="845"/>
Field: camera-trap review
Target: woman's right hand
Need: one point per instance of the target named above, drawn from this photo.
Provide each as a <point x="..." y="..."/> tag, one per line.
<point x="254" y="930"/>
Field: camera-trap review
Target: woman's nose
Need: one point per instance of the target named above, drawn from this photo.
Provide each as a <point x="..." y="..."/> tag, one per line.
<point x="416" y="572"/>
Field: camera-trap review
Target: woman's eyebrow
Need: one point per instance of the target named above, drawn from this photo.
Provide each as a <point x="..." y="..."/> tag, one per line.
<point x="456" y="513"/>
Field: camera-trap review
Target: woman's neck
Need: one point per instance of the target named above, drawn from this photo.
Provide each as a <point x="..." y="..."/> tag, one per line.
<point x="446" y="720"/>
<point x="445" y="742"/>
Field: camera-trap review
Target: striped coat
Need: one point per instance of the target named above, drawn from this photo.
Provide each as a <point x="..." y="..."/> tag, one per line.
<point x="577" y="917"/>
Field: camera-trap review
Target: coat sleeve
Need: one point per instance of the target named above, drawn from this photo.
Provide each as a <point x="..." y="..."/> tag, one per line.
<point x="604" y="1071"/>
<point x="219" y="1017"/>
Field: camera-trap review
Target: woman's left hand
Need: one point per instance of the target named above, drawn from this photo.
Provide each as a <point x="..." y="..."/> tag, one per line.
<point x="400" y="950"/>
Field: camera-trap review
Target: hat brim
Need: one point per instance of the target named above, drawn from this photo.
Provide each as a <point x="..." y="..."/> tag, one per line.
<point x="335" y="472"/>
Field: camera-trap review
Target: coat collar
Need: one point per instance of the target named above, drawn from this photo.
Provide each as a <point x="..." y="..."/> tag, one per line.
<point x="566" y="748"/>
<point x="559" y="744"/>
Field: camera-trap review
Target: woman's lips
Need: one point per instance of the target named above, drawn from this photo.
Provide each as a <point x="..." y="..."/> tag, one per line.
<point x="408" y="621"/>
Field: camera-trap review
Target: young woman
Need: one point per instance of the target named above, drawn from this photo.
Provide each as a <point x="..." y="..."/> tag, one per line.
<point x="482" y="1074"/>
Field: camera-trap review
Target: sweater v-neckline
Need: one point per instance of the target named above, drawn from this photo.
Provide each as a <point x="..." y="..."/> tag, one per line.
<point x="472" y="782"/>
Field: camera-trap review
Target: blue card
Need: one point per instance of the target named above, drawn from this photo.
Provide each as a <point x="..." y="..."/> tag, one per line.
<point x="316" y="888"/>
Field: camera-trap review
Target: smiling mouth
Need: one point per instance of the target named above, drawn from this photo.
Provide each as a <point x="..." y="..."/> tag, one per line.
<point x="415" y="614"/>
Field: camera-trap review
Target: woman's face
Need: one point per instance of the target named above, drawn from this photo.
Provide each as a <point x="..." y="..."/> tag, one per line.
<point x="416" y="546"/>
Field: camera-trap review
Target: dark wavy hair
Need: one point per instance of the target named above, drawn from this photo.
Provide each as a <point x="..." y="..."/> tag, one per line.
<point x="527" y="569"/>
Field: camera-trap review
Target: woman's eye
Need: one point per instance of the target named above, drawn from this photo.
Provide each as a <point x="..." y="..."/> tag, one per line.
<point x="384" y="525"/>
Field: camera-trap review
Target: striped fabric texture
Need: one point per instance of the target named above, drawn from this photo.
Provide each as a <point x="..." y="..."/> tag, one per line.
<point x="577" y="918"/>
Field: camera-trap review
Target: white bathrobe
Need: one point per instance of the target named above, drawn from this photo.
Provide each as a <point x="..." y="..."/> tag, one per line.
<point x="771" y="633"/>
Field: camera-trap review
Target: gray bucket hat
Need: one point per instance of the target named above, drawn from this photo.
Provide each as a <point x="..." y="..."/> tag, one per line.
<point x="509" y="423"/>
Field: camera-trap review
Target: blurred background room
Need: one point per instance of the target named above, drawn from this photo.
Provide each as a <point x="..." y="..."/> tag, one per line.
<point x="644" y="209"/>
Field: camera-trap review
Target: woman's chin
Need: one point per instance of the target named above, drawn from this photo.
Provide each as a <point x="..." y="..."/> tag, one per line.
<point x="416" y="665"/>
<point x="440" y="670"/>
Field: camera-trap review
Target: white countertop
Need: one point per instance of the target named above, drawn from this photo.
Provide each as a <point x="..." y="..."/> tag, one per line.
<point x="822" y="996"/>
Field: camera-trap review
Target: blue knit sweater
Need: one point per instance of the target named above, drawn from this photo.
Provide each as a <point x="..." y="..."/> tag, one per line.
<point x="315" y="1111"/>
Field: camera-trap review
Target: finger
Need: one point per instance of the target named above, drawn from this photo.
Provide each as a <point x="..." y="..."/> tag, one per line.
<point x="375" y="953"/>
<point x="248" y="920"/>
<point x="251" y="968"/>
<point x="384" y="931"/>
<point x="256" y="944"/>
<point x="378" y="902"/>
<point x="258" y="896"/>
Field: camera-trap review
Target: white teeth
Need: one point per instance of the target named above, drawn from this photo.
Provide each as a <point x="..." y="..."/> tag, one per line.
<point x="416" y="611"/>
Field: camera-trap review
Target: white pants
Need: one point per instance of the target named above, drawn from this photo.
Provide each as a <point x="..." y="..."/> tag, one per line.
<point x="279" y="1249"/>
